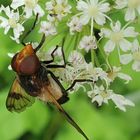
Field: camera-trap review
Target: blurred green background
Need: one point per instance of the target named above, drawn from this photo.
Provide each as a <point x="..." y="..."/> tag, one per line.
<point x="41" y="122"/>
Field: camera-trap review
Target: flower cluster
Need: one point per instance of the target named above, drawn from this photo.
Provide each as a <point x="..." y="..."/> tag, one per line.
<point x="94" y="34"/>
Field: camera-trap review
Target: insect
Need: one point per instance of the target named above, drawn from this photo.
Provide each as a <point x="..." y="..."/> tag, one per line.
<point x="34" y="79"/>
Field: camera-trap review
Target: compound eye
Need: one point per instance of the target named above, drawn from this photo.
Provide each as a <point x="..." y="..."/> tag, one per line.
<point x="14" y="63"/>
<point x="29" y="65"/>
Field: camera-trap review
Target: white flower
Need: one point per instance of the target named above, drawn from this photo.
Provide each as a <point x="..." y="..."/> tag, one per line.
<point x="135" y="56"/>
<point x="12" y="21"/>
<point x="121" y="102"/>
<point x="76" y="58"/>
<point x="88" y="43"/>
<point x="125" y="58"/>
<point x="52" y="19"/>
<point x="58" y="8"/>
<point x="99" y="95"/>
<point x="102" y="95"/>
<point x="47" y="28"/>
<point x="133" y="8"/>
<point x="94" y="10"/>
<point x="116" y="73"/>
<point x="30" y="7"/>
<point x="97" y="73"/>
<point x="117" y="37"/>
<point x="75" y="69"/>
<point x="75" y="25"/>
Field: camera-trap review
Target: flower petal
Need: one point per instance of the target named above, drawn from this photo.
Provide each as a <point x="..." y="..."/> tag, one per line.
<point x="84" y="19"/>
<point x="81" y="6"/>
<point x="126" y="58"/>
<point x="98" y="99"/>
<point x="116" y="27"/>
<point x="100" y="19"/>
<point x="130" y="14"/>
<point x="28" y="12"/>
<point x="130" y="32"/>
<point x="94" y="2"/>
<point x="121" y="4"/>
<point x="138" y="9"/>
<point x="136" y="66"/>
<point x="106" y="32"/>
<point x="39" y="10"/>
<point x="6" y="29"/>
<point x="125" y="77"/>
<point x="17" y="3"/>
<point x="104" y="7"/>
<point x="109" y="46"/>
<point x="120" y="101"/>
<point x="3" y="22"/>
<point x="135" y="46"/>
<point x="125" y="45"/>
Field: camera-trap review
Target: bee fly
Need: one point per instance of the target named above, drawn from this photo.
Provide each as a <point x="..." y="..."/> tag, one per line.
<point x="34" y="79"/>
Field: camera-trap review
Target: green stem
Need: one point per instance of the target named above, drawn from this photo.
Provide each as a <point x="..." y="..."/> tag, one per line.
<point x="92" y="57"/>
<point x="96" y="59"/>
<point x="105" y="58"/>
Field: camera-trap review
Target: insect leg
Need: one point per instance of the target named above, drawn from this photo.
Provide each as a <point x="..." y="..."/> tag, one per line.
<point x="64" y="59"/>
<point x="76" y="81"/>
<point x="27" y="33"/>
<point x="52" y="55"/>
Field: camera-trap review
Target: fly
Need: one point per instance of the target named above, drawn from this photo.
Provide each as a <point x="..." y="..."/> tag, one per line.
<point x="34" y="79"/>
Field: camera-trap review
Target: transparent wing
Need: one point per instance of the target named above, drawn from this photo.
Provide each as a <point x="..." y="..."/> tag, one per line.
<point x="67" y="116"/>
<point x="18" y="99"/>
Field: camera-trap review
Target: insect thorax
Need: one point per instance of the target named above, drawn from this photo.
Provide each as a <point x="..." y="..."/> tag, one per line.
<point x="33" y="83"/>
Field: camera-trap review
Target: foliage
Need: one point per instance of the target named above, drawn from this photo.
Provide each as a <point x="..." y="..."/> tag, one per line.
<point x="41" y="121"/>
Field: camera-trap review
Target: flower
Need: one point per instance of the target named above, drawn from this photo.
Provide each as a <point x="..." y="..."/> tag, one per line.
<point x="102" y="95"/>
<point x="58" y="8"/>
<point x="47" y="28"/>
<point x="97" y="74"/>
<point x="12" y="21"/>
<point x="75" y="69"/>
<point x="121" y="101"/>
<point x="99" y="95"/>
<point x="117" y="37"/>
<point x="134" y="55"/>
<point x="30" y="7"/>
<point x="75" y="25"/>
<point x="94" y="10"/>
<point x="88" y="43"/>
<point x="76" y="58"/>
<point x="116" y="73"/>
<point x="133" y="7"/>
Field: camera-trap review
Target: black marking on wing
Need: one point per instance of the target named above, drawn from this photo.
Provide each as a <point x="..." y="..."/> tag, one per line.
<point x="18" y="99"/>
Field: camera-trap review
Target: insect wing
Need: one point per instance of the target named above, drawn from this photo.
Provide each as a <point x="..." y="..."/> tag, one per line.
<point x="67" y="116"/>
<point x="18" y="99"/>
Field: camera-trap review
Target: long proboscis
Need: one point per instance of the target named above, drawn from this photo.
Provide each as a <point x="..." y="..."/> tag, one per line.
<point x="67" y="116"/>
